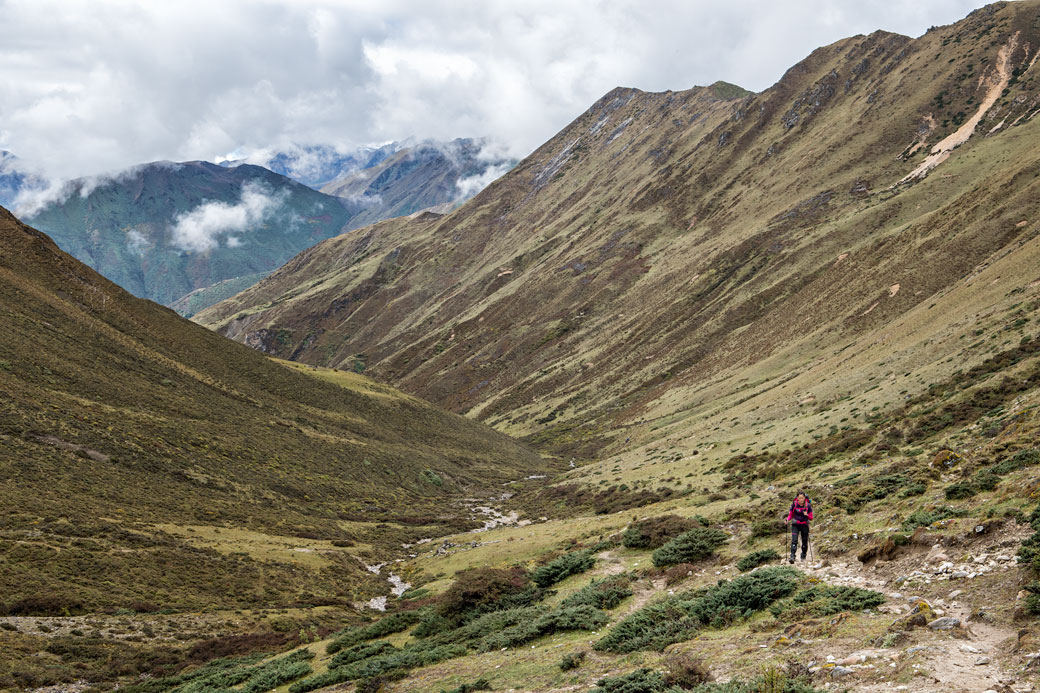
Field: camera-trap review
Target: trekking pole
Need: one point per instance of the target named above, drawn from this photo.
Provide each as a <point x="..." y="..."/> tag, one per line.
<point x="808" y="542"/>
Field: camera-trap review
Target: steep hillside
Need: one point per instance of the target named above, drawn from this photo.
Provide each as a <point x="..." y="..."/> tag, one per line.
<point x="419" y="177"/>
<point x="162" y="230"/>
<point x="148" y="460"/>
<point x="667" y="256"/>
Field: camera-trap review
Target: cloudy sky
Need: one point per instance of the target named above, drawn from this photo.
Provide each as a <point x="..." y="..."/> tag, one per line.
<point x="88" y="86"/>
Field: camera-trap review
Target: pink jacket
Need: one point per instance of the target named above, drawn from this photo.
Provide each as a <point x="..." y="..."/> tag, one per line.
<point x="800" y="513"/>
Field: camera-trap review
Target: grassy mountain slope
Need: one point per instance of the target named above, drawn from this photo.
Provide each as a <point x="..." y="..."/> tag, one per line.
<point x="125" y="429"/>
<point x="665" y="246"/>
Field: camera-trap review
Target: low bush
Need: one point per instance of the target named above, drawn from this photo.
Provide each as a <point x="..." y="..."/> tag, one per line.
<point x="411" y="657"/>
<point x="394" y="623"/>
<point x="690" y="547"/>
<point x="824" y="600"/>
<point x="639" y="681"/>
<point x="915" y="489"/>
<point x="767" y="683"/>
<point x="1020" y="460"/>
<point x="756" y="558"/>
<point x="985" y="480"/>
<point x="925" y="518"/>
<point x="959" y="491"/>
<point x="685" y="671"/>
<point x="572" y="660"/>
<point x="654" y="532"/>
<point x="563" y="567"/>
<point x="478" y="685"/>
<point x="767" y="527"/>
<point x="601" y="594"/>
<point x="359" y="652"/>
<point x="678" y="617"/>
<point x="556" y="621"/>
<point x="480" y="587"/>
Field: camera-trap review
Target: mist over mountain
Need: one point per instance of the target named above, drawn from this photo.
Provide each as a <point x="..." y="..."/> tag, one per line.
<point x="163" y="230"/>
<point x="190" y="234"/>
<point x="15" y="179"/>
<point x="317" y="165"/>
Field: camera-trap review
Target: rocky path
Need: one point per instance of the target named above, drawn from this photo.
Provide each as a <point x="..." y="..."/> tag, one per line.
<point x="954" y="649"/>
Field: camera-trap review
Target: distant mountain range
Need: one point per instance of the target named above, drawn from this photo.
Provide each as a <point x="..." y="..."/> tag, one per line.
<point x="162" y="230"/>
<point x="171" y="231"/>
<point x="318" y="165"/>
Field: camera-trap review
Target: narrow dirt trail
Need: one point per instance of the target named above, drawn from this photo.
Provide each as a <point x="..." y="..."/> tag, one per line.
<point x="969" y="662"/>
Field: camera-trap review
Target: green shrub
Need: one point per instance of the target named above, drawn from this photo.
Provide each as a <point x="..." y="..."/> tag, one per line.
<point x="602" y="594"/>
<point x="639" y="681"/>
<point x="395" y="623"/>
<point x="478" y="685"/>
<point x="925" y="518"/>
<point x="756" y="558"/>
<point x="915" y="489"/>
<point x="767" y="527"/>
<point x="572" y="660"/>
<point x="566" y="565"/>
<point x="654" y="532"/>
<point x="759" y="684"/>
<point x="359" y="652"/>
<point x="959" y="491"/>
<point x="824" y="600"/>
<point x="1032" y="605"/>
<point x="489" y="624"/>
<point x="1020" y="460"/>
<point x="690" y="547"/>
<point x="985" y="480"/>
<point x="271" y="677"/>
<point x="678" y="617"/>
<point x="556" y="621"/>
<point x="411" y="657"/>
<point x="1029" y="552"/>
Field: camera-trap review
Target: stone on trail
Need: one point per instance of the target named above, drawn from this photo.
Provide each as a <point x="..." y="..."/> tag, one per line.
<point x="945" y="623"/>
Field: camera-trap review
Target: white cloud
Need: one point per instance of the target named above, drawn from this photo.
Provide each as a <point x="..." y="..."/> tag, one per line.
<point x="199" y="230"/>
<point x="88" y="86"/>
<point x="136" y="242"/>
<point x="470" y="186"/>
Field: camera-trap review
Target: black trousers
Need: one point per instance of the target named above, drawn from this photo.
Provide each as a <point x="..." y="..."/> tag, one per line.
<point x="796" y="530"/>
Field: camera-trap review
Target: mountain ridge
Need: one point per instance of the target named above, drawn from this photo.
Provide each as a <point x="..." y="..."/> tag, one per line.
<point x="647" y="194"/>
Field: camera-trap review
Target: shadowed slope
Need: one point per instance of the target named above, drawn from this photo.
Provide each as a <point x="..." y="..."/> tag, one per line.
<point x="114" y="407"/>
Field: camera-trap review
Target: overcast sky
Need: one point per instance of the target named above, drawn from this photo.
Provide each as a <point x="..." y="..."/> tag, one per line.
<point x="95" y="85"/>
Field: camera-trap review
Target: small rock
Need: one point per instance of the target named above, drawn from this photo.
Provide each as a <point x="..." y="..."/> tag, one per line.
<point x="945" y="623"/>
<point x="954" y="594"/>
<point x="838" y="672"/>
<point x="982" y="661"/>
<point x="969" y="648"/>
<point x="960" y="574"/>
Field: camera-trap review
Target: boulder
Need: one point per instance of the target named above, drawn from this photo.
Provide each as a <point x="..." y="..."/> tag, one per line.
<point x="944" y="623"/>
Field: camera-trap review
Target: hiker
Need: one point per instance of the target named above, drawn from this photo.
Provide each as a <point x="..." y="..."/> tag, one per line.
<point x="798" y="518"/>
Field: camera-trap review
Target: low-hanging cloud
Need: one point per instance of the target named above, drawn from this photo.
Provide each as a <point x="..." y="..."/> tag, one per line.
<point x="199" y="230"/>
<point x="87" y="87"/>
<point x="471" y="185"/>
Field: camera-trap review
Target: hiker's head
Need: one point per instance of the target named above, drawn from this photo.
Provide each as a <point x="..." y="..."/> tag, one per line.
<point x="800" y="497"/>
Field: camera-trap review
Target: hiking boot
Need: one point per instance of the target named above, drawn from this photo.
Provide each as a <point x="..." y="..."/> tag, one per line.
<point x="791" y="559"/>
